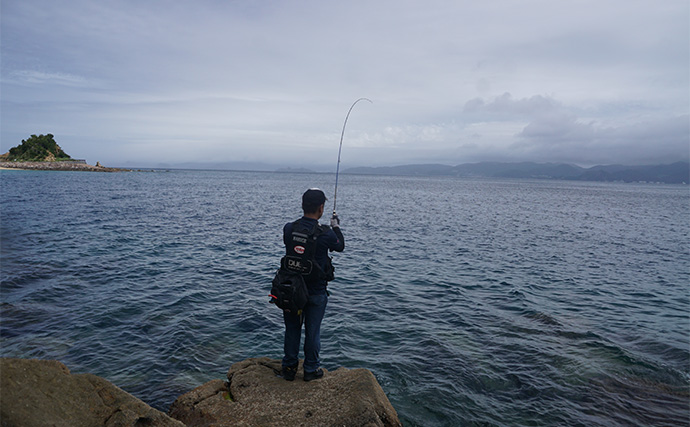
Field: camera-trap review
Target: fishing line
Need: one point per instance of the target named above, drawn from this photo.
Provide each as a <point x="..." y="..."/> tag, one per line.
<point x="340" y="149"/>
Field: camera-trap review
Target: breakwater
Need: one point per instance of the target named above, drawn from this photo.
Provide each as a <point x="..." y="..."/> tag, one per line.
<point x="60" y="166"/>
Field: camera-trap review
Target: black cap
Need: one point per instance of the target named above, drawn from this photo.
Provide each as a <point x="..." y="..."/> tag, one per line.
<point x="313" y="197"/>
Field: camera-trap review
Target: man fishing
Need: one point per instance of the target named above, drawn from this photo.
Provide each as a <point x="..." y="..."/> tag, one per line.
<point x="309" y="242"/>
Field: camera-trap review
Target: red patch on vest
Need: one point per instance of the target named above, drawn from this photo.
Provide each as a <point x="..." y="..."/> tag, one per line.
<point x="299" y="249"/>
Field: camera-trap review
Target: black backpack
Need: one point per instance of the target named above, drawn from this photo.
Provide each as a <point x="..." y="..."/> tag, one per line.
<point x="301" y="251"/>
<point x="297" y="267"/>
<point x="289" y="291"/>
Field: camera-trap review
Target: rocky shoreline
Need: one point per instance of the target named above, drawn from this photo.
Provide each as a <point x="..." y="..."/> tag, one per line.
<point x="44" y="392"/>
<point x="59" y="166"/>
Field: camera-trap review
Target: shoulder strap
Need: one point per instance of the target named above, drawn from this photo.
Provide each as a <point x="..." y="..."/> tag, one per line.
<point x="322" y="229"/>
<point x="317" y="230"/>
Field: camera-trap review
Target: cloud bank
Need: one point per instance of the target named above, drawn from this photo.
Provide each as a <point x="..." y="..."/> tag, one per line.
<point x="124" y="82"/>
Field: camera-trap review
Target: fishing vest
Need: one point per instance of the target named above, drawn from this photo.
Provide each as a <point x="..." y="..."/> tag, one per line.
<point x="301" y="252"/>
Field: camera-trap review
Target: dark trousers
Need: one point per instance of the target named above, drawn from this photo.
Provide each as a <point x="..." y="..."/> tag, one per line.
<point x="313" y="315"/>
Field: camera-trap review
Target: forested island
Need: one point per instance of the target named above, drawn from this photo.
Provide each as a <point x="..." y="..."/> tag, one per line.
<point x="43" y="153"/>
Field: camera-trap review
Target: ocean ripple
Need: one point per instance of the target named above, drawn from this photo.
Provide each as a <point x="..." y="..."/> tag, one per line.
<point x="474" y="302"/>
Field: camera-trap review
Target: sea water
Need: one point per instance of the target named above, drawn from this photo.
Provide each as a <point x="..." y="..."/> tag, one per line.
<point x="474" y="302"/>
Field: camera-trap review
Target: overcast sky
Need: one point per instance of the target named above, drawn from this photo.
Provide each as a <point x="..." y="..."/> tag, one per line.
<point x="148" y="82"/>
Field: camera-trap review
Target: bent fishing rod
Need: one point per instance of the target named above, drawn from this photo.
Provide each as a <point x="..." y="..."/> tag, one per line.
<point x="340" y="149"/>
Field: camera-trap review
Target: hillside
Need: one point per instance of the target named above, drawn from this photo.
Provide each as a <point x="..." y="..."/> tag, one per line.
<point x="675" y="173"/>
<point x="36" y="149"/>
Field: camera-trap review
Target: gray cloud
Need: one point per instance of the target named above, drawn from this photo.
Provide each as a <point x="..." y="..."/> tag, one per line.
<point x="660" y="141"/>
<point x="451" y="82"/>
<point x="554" y="132"/>
<point x="506" y="105"/>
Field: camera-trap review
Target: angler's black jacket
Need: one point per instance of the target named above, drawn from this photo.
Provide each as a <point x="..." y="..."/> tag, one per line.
<point x="332" y="240"/>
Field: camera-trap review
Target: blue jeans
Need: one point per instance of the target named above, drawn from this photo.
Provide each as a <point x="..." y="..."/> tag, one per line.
<point x="313" y="315"/>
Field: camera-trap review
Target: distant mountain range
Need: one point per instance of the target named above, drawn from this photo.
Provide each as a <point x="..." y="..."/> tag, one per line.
<point x="675" y="173"/>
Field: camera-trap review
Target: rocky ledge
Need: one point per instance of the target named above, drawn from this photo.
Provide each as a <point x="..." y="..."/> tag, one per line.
<point x="43" y="392"/>
<point x="255" y="396"/>
<point x="59" y="166"/>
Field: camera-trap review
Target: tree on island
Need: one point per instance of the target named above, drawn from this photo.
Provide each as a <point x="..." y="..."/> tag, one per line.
<point x="37" y="149"/>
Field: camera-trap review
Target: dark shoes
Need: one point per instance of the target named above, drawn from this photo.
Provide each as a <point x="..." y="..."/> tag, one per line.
<point x="288" y="372"/>
<point x="308" y="376"/>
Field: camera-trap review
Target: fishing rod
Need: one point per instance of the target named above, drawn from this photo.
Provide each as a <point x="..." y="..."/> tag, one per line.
<point x="340" y="149"/>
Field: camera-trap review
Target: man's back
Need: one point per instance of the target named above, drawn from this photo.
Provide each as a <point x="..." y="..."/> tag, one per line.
<point x="328" y="240"/>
